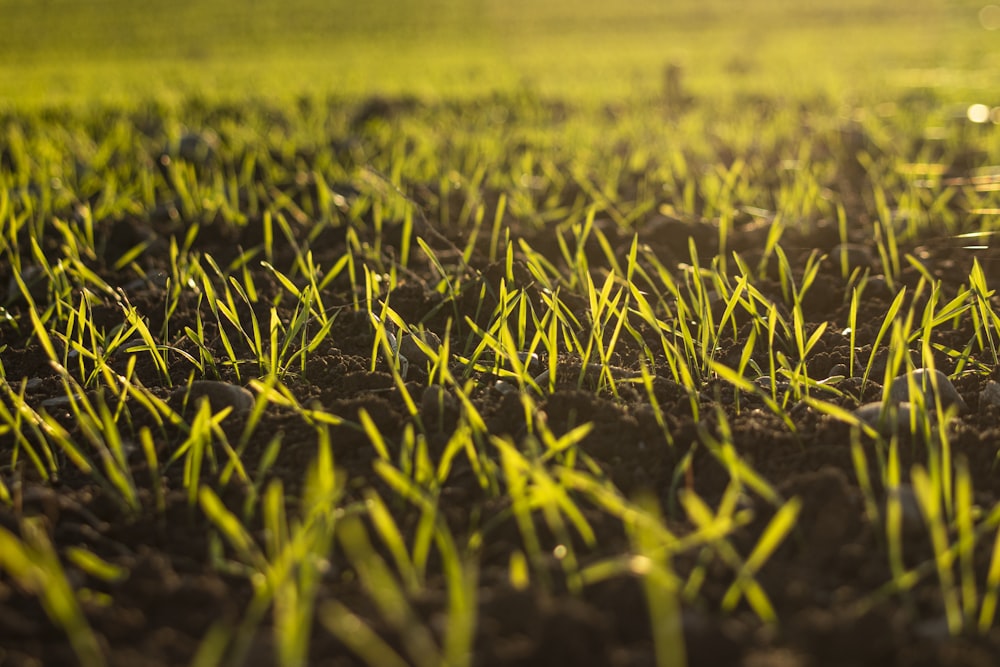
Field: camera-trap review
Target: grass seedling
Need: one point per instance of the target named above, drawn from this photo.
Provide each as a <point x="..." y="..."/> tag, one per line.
<point x="964" y="520"/>
<point x="532" y="488"/>
<point x="885" y="238"/>
<point x="887" y="323"/>
<point x="894" y="510"/>
<point x="661" y="587"/>
<point x="987" y="612"/>
<point x="286" y="572"/>
<point x="926" y="487"/>
<point x="378" y="580"/>
<point x="864" y="476"/>
<point x="34" y="565"/>
<point x="43" y="457"/>
<point x="204" y="434"/>
<point x="990" y="321"/>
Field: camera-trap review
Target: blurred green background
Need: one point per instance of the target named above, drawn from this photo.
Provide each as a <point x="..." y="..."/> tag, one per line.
<point x="77" y="51"/>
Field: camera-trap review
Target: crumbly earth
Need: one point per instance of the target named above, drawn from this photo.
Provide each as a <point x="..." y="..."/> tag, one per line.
<point x="825" y="581"/>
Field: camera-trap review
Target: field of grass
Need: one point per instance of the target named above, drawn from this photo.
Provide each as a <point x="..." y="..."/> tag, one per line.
<point x="117" y="50"/>
<point x="489" y="333"/>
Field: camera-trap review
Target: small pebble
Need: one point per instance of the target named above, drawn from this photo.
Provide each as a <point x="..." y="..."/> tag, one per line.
<point x="529" y="360"/>
<point x="871" y="414"/>
<point x="154" y="281"/>
<point x="899" y="390"/>
<point x="990" y="395"/>
<point x="59" y="402"/>
<point x="411" y="350"/>
<point x="764" y="382"/>
<point x="504" y="387"/>
<point x="542" y="379"/>
<point x="878" y="287"/>
<point x="839" y="370"/>
<point x="133" y="343"/>
<point x="220" y="395"/>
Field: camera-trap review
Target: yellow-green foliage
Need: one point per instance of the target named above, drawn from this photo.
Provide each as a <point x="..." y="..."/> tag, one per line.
<point x="76" y="51"/>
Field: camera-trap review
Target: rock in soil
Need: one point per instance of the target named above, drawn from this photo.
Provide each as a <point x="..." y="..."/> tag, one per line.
<point x="923" y="379"/>
<point x="220" y="395"/>
<point x="871" y="414"/>
<point x="409" y="348"/>
<point x="990" y="395"/>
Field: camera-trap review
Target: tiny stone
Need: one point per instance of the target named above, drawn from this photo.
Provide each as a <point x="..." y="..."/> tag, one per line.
<point x="871" y="414"/>
<point x="800" y="410"/>
<point x="59" y="402"/>
<point x="154" y="281"/>
<point x="854" y="386"/>
<point x="504" y="387"/>
<point x="990" y="395"/>
<point x="878" y="287"/>
<point x="409" y="348"/>
<point x="131" y="344"/>
<point x="899" y="390"/>
<point x="220" y="395"/>
<point x="838" y="369"/>
<point x="542" y="379"/>
<point x="530" y="361"/>
<point x="764" y="382"/>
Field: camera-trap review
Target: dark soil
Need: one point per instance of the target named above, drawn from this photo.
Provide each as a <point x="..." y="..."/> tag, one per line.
<point x="824" y="581"/>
